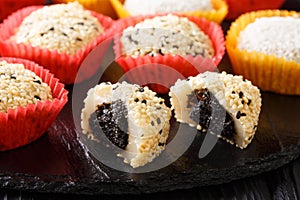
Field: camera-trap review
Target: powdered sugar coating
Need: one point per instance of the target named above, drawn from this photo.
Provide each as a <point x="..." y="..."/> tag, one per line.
<point x="63" y="27"/>
<point x="137" y="7"/>
<point x="168" y="34"/>
<point x="277" y="36"/>
<point x="20" y="87"/>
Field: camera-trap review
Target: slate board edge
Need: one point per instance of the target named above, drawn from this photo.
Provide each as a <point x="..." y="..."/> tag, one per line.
<point x="72" y="185"/>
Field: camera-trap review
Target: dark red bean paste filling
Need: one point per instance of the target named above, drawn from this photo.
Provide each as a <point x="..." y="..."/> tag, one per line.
<point x="112" y="119"/>
<point x="202" y="102"/>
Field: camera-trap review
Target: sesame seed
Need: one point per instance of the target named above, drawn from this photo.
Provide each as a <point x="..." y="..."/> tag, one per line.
<point x="251" y="137"/>
<point x="158" y="121"/>
<point x="243" y="114"/>
<point x="249" y="102"/>
<point x="161" y="144"/>
<point x="241" y="94"/>
<point x="37" y="97"/>
<point x="37" y="81"/>
<point x="160" y="52"/>
<point x="116" y="87"/>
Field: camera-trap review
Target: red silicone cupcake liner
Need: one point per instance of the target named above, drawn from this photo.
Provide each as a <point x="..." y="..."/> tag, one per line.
<point x="24" y="125"/>
<point x="9" y="6"/>
<point x="63" y="66"/>
<point x="182" y="66"/>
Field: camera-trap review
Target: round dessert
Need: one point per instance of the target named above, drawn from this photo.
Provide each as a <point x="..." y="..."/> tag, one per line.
<point x="65" y="28"/>
<point x="202" y="101"/>
<point x="172" y="45"/>
<point x="273" y="36"/>
<point x="30" y="100"/>
<point x="132" y="118"/>
<point x="213" y="10"/>
<point x="168" y="34"/>
<point x="59" y="37"/>
<point x="136" y="7"/>
<point x="263" y="47"/>
<point x="20" y="87"/>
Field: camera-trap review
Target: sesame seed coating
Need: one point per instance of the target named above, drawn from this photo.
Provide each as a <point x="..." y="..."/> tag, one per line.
<point x="148" y="119"/>
<point x="168" y="34"/>
<point x="20" y="87"/>
<point x="239" y="98"/>
<point x="63" y="27"/>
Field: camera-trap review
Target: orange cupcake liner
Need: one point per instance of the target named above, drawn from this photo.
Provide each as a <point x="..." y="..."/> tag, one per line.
<point x="63" y="66"/>
<point x="166" y="69"/>
<point x="268" y="72"/>
<point x="24" y="125"/>
<point x="217" y="15"/>
<point x="101" y="6"/>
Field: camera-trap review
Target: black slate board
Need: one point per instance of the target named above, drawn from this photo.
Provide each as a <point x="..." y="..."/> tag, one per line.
<point x="58" y="162"/>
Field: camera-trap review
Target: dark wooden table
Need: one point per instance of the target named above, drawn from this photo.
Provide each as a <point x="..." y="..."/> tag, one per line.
<point x="282" y="183"/>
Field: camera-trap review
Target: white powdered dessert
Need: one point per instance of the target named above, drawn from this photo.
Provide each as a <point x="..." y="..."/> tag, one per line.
<point x="277" y="36"/>
<point x="137" y="7"/>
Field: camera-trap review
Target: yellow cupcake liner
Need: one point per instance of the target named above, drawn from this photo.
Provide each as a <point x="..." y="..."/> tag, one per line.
<point x="217" y="15"/>
<point x="101" y="6"/>
<point x="268" y="72"/>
